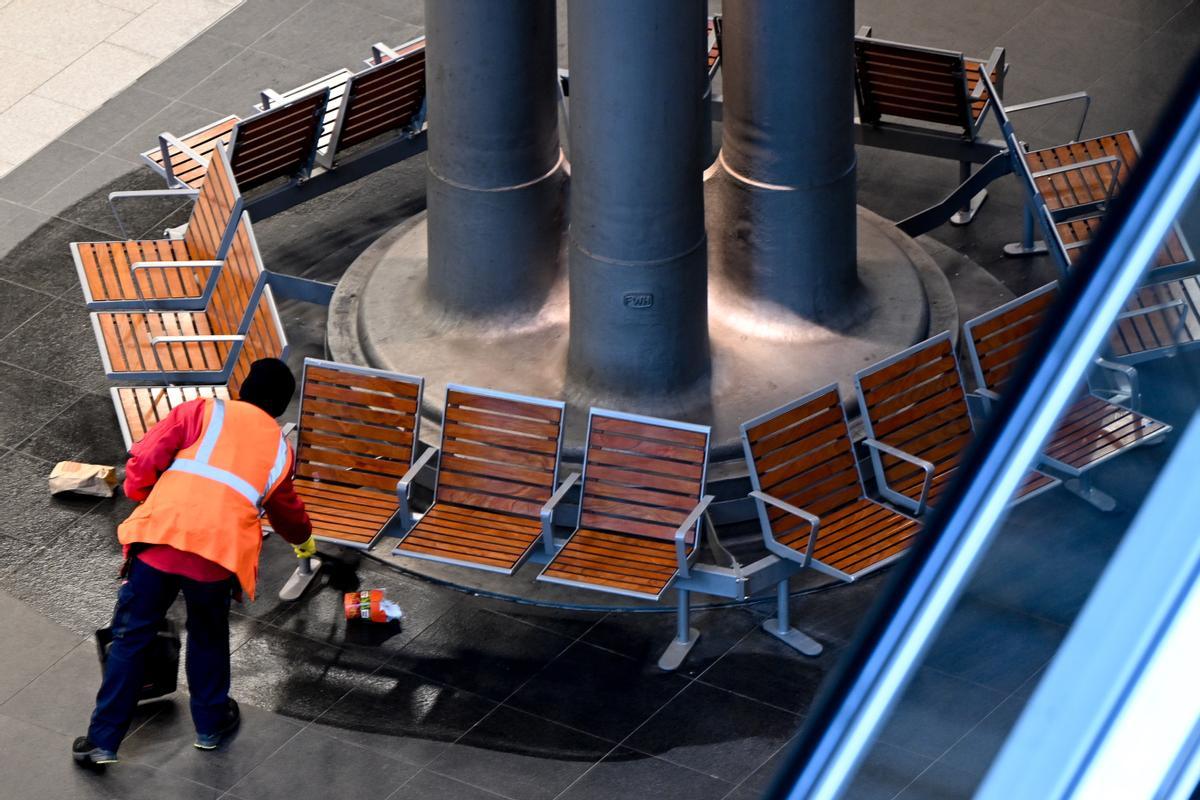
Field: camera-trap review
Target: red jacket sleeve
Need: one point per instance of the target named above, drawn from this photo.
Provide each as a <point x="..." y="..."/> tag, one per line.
<point x="150" y="457"/>
<point x="286" y="512"/>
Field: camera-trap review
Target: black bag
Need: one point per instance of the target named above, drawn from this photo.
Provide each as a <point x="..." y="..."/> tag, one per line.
<point x="161" y="675"/>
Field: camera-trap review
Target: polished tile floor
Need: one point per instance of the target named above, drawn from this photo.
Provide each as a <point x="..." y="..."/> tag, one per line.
<point x="471" y="697"/>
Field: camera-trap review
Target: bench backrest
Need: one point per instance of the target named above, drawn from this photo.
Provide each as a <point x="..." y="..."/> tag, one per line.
<point x="500" y="451"/>
<point x="997" y="340"/>
<point x="917" y="83"/>
<point x="265" y="338"/>
<point x="278" y="142"/>
<point x="915" y="401"/>
<point x="382" y="98"/>
<point x="239" y="283"/>
<point x="801" y="453"/>
<point x="642" y="475"/>
<point x="215" y="213"/>
<point x="713" y="40"/>
<point x="358" y="426"/>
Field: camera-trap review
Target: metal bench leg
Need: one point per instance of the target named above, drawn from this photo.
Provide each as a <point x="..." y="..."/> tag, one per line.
<point x="685" y="637"/>
<point x="967" y="213"/>
<point x="1027" y="246"/>
<point x="782" y="630"/>
<point x="1082" y="487"/>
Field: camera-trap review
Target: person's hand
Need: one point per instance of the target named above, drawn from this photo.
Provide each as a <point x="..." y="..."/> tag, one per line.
<point x="306" y="550"/>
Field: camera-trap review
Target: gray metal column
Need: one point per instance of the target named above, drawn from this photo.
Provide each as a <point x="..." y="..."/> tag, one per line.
<point x="783" y="222"/>
<point x="495" y="177"/>
<point x="638" y="254"/>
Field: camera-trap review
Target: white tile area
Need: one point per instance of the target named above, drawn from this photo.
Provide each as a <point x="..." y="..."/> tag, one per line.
<point x="62" y="59"/>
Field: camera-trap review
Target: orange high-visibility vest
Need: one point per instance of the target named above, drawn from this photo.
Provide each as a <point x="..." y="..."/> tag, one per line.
<point x="210" y="499"/>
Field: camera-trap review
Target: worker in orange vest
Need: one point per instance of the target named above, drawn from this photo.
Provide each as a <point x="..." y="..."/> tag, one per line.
<point x="204" y="475"/>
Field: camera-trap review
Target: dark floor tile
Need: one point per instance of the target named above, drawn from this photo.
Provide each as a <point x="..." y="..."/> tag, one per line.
<point x="313" y="765"/>
<point x="253" y="18"/>
<point x="28" y="401"/>
<point x="174" y="77"/>
<point x="1152" y="13"/>
<point x="764" y="668"/>
<point x="628" y="773"/>
<point x="715" y="732"/>
<point x="165" y="742"/>
<point x="234" y="87"/>
<point x="62" y="697"/>
<point x="571" y="624"/>
<point x="349" y="31"/>
<point x="884" y="772"/>
<point x="643" y="637"/>
<point x="83" y="198"/>
<point x="975" y="752"/>
<point x="85" y="431"/>
<point x="31" y="645"/>
<point x="519" y="756"/>
<point x="404" y="716"/>
<point x="30" y="513"/>
<point x="46" y="771"/>
<point x="992" y="645"/>
<point x="38" y="347"/>
<point x="17" y="305"/>
<point x="426" y="784"/>
<point x="42" y="258"/>
<point x="578" y="687"/>
<point x="16" y="223"/>
<point x="114" y="120"/>
<point x="935" y="711"/>
<point x="479" y="651"/>
<point x="56" y="162"/>
<point x="295" y="676"/>
<point x="941" y="782"/>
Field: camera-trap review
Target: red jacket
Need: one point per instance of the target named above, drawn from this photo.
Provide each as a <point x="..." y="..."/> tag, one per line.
<point x="151" y="456"/>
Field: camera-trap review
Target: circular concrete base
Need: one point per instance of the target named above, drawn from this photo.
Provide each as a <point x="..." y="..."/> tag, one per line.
<point x="381" y="316"/>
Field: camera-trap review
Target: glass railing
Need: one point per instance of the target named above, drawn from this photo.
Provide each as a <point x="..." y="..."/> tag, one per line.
<point x="1048" y="648"/>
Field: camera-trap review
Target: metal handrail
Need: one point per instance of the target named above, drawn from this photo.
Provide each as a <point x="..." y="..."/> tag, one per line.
<point x="847" y="715"/>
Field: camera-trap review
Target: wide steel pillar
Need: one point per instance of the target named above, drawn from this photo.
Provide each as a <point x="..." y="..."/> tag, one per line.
<point x="495" y="169"/>
<point x="785" y="205"/>
<point x="637" y="250"/>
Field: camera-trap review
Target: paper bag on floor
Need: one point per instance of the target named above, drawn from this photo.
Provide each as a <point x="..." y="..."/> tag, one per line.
<point x="93" y="479"/>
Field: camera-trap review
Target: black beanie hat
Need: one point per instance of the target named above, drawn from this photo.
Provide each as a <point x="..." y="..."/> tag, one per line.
<point x="270" y="386"/>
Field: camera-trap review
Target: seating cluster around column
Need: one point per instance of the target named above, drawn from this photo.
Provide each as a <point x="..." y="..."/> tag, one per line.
<point x="187" y="314"/>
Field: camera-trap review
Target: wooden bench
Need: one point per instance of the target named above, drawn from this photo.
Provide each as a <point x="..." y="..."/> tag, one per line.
<point x="357" y="435"/>
<point x="1094" y="429"/>
<point x="812" y="506"/>
<point x="387" y="99"/>
<point x="495" y="488"/>
<point x="139" y="408"/>
<point x="1159" y="320"/>
<point x="335" y="82"/>
<point x="279" y="142"/>
<point x="640" y="511"/>
<point x="898" y="84"/>
<point x="167" y="273"/>
<point x="188" y="346"/>
<point x="919" y="426"/>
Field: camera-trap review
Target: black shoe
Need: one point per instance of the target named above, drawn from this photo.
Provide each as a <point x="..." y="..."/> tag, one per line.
<point x="211" y="741"/>
<point x="89" y="756"/>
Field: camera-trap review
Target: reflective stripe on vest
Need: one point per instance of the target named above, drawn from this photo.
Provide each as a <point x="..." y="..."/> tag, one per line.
<point x="200" y="466"/>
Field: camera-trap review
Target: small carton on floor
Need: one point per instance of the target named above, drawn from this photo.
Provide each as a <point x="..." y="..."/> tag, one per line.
<point x="93" y="479"/>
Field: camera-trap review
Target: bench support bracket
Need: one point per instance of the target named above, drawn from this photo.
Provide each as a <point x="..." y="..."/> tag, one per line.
<point x="685" y="636"/>
<point x="781" y="628"/>
<point x="1082" y="487"/>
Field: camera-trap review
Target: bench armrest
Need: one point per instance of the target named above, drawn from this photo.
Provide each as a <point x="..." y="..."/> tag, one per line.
<point x="682" y="558"/>
<point x="231" y="337"/>
<point x="380" y="53"/>
<point x="1084" y="97"/>
<point x="287" y="429"/>
<point x="782" y="550"/>
<point x="165" y="142"/>
<point x="1113" y="163"/>
<point x="1126" y="380"/>
<point x="138" y="266"/>
<point x="270" y="97"/>
<point x="927" y="466"/>
<point x="547" y="512"/>
<point x="404" y="486"/>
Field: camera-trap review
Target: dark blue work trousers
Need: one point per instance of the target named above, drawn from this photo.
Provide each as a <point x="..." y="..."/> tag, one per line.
<point x="142" y="605"/>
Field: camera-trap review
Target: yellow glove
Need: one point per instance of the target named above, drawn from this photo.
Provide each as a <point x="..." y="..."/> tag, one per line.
<point x="306" y="550"/>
